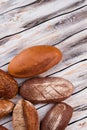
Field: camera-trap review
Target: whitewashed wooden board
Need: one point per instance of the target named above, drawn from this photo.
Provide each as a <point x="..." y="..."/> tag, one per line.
<point x="58" y="23"/>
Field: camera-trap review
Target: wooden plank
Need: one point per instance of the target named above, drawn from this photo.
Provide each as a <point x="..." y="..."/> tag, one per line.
<point x="78" y="101"/>
<point x="9" y="126"/>
<point x="72" y="48"/>
<point x="73" y="52"/>
<point x="79" y="125"/>
<point x="29" y="16"/>
<point x="77" y="74"/>
<point x="80" y="110"/>
<point x="8" y="5"/>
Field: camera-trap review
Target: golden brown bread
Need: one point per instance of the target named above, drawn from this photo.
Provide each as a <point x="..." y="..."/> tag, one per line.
<point x="57" y="118"/>
<point x="30" y="116"/>
<point x="34" y="60"/>
<point x="46" y="89"/>
<point x="6" y="107"/>
<point x="8" y="86"/>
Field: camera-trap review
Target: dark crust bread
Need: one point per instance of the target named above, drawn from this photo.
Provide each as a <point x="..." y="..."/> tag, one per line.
<point x="57" y="118"/>
<point x="8" y="86"/>
<point x="6" y="107"/>
<point x="46" y="90"/>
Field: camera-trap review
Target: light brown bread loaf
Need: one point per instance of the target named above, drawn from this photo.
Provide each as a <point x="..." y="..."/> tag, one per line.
<point x="25" y="116"/>
<point x="6" y="107"/>
<point x="34" y="60"/>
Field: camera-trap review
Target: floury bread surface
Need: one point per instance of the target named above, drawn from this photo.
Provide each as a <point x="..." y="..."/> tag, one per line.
<point x="46" y="89"/>
<point x="57" y="118"/>
<point x="25" y="116"/>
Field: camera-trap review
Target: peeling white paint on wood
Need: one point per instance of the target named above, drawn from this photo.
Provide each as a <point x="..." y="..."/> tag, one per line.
<point x="79" y="125"/>
<point x="51" y="32"/>
<point x="9" y="5"/>
<point x="27" y="17"/>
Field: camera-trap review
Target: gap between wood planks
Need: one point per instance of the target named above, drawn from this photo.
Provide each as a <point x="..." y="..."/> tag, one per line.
<point x="52" y="35"/>
<point x="44" y="34"/>
<point x="34" y="2"/>
<point x="17" y="7"/>
<point x="39" y="22"/>
<point x="24" y="4"/>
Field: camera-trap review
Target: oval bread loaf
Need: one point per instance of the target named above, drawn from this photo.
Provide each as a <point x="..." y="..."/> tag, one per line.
<point x="34" y="61"/>
<point x="57" y="118"/>
<point x="25" y="116"/>
<point x="46" y="90"/>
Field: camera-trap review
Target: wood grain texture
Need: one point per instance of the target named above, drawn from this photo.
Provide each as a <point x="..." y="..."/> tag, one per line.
<point x="59" y="23"/>
<point x="71" y="56"/>
<point x="71" y="48"/>
<point x="79" y="125"/>
<point x="29" y="16"/>
<point x="9" y="5"/>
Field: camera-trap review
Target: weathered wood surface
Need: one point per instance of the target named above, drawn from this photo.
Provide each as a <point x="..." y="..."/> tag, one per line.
<point x="59" y="23"/>
<point x="9" y="5"/>
<point x="72" y="48"/>
<point x="51" y="32"/>
<point x="26" y="17"/>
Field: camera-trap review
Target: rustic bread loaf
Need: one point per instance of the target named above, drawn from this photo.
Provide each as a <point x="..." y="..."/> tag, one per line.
<point x="57" y="118"/>
<point x="6" y="107"/>
<point x="8" y="86"/>
<point x="46" y="90"/>
<point x="25" y="116"/>
<point x="34" y="60"/>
